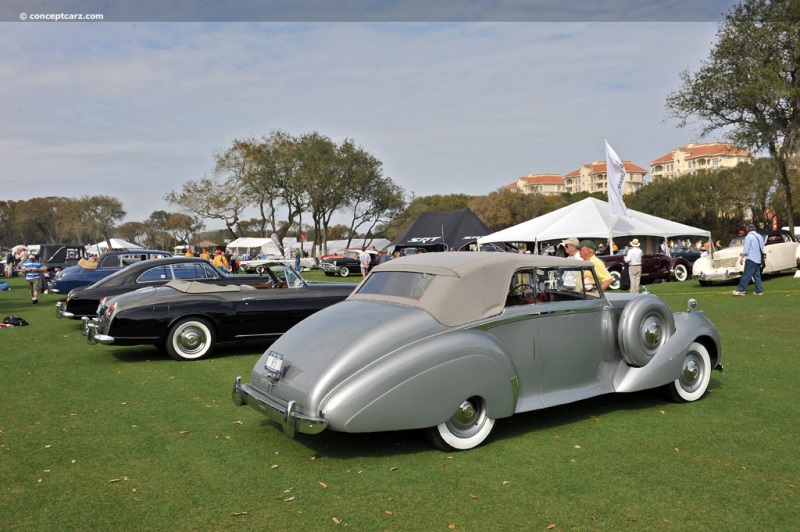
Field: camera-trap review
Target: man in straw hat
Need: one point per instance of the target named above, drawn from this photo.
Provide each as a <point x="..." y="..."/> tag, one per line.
<point x="634" y="259"/>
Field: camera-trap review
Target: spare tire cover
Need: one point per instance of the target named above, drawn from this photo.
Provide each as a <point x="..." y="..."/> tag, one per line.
<point x="646" y="324"/>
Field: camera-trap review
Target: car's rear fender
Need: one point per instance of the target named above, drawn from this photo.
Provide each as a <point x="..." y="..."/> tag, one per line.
<point x="422" y="385"/>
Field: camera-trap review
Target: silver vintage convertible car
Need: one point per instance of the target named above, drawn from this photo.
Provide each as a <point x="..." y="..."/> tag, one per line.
<point x="450" y="342"/>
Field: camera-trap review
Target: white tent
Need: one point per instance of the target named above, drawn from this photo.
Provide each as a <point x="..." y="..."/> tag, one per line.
<point x="116" y="243"/>
<point x="590" y="218"/>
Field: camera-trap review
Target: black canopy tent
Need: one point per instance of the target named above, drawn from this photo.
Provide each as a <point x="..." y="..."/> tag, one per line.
<point x="442" y="230"/>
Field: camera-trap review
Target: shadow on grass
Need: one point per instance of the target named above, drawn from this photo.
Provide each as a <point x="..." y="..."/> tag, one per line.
<point x="344" y="445"/>
<point x="147" y="353"/>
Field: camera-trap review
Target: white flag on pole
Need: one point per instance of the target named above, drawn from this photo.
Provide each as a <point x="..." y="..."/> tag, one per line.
<point x="615" y="171"/>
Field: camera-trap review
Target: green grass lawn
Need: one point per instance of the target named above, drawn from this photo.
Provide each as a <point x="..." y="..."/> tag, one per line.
<point x="103" y="437"/>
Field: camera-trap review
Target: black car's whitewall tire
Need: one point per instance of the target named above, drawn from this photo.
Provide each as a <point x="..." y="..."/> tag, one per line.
<point x="694" y="378"/>
<point x="645" y="325"/>
<point x="190" y="339"/>
<point x="680" y="272"/>
<point x="617" y="282"/>
<point x="468" y="428"/>
<point x="344" y="271"/>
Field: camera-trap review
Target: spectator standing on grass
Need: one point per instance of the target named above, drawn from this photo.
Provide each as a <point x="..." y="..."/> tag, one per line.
<point x="633" y="257"/>
<point x="363" y="259"/>
<point x="32" y="269"/>
<point x="297" y="256"/>
<point x="9" y="263"/>
<point x="221" y="262"/>
<point x="751" y="259"/>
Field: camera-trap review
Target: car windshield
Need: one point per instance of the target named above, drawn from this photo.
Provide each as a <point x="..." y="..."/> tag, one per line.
<point x="411" y="285"/>
<point x="287" y="275"/>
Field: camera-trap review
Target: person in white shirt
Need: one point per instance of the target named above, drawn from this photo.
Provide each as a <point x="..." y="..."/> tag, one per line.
<point x="570" y="279"/>
<point x="634" y="259"/>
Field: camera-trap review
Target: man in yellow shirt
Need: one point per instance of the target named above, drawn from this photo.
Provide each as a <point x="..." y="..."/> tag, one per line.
<point x="205" y="254"/>
<point x="586" y="250"/>
<point x="221" y="262"/>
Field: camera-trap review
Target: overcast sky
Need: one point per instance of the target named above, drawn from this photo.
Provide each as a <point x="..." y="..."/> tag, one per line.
<point x="133" y="107"/>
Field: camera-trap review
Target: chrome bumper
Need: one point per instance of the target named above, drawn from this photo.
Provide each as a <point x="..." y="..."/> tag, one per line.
<point x="92" y="336"/>
<point x="61" y="313"/>
<point x="286" y="415"/>
<point x="719" y="276"/>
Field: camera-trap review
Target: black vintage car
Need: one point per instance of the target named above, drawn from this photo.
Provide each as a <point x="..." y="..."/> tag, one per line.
<point x="348" y="263"/>
<point x="187" y="318"/>
<point x="656" y="266"/>
<point x="83" y="301"/>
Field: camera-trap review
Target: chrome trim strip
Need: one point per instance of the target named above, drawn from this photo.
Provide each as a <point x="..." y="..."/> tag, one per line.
<point x="538" y="314"/>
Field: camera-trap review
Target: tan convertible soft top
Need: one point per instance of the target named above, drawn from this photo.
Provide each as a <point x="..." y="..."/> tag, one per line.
<point x="194" y="287"/>
<point x="468" y="286"/>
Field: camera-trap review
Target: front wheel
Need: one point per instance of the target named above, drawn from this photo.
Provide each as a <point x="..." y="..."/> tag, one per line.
<point x="681" y="273"/>
<point x="190" y="339"/>
<point x="468" y="428"/>
<point x="695" y="375"/>
<point x="344" y="271"/>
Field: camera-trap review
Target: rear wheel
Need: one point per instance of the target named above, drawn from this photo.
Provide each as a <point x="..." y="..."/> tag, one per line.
<point x="190" y="339"/>
<point x="680" y="272"/>
<point x="615" y="284"/>
<point x="468" y="428"/>
<point x="695" y="375"/>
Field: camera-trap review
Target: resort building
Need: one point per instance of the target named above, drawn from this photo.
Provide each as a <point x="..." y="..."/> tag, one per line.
<point x="694" y="157"/>
<point x="544" y="184"/>
<point x="593" y="177"/>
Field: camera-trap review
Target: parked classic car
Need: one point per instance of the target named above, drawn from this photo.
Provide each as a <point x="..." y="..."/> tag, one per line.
<point x="87" y="271"/>
<point x="450" y="342"/>
<point x="346" y="264"/>
<point x="654" y="266"/>
<point x="690" y="254"/>
<point x="188" y="318"/>
<point x="783" y="255"/>
<point x="84" y="300"/>
<point x="249" y="266"/>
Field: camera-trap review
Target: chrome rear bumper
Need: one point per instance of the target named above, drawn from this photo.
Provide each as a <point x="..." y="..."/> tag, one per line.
<point x="61" y="313"/>
<point x="286" y="415"/>
<point x="93" y="337"/>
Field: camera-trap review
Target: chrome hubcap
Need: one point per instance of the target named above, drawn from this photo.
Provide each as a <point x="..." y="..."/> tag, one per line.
<point x="467" y="419"/>
<point x="692" y="373"/>
<point x="191" y="340"/>
<point x="652" y="333"/>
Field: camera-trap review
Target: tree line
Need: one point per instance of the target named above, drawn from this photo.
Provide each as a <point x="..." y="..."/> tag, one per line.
<point x="718" y="200"/>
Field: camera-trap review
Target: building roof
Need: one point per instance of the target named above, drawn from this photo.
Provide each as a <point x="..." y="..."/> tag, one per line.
<point x="709" y="149"/>
<point x="599" y="167"/>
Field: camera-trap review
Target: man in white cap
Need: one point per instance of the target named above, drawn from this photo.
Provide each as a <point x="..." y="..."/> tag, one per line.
<point x="571" y="247"/>
<point x="634" y="259"/>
